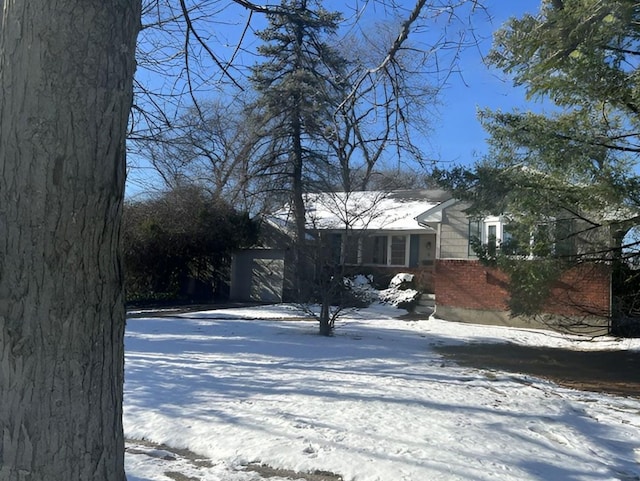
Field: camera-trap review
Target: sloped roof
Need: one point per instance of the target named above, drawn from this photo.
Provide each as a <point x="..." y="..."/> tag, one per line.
<point x="368" y="210"/>
<point x="434" y="214"/>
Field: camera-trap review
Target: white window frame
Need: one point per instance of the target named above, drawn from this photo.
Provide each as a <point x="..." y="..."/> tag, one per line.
<point x="407" y="240"/>
<point x="501" y="222"/>
<point x="493" y="221"/>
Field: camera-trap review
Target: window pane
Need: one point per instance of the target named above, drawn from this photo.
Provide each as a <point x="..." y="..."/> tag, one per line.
<point x="475" y="235"/>
<point x="542" y="245"/>
<point x="335" y="246"/>
<point x="351" y="253"/>
<point x="491" y="239"/>
<point x="374" y="250"/>
<point x="380" y="250"/>
<point x="398" y="250"/>
<point x="510" y="244"/>
<point x="565" y="238"/>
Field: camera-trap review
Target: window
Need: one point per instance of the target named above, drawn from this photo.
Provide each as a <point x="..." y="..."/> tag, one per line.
<point x="475" y="235"/>
<point x="398" y="250"/>
<point x="542" y="240"/>
<point x="374" y="250"/>
<point x="385" y="250"/>
<point x="554" y="237"/>
<point x="343" y="249"/>
<point x="485" y="233"/>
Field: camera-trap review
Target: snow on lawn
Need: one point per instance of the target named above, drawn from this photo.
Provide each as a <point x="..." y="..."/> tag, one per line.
<point x="372" y="403"/>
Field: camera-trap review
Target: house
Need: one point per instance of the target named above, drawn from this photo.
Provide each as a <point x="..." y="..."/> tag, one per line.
<point x="424" y="232"/>
<point x="467" y="290"/>
<point x="377" y="232"/>
<point x="369" y="232"/>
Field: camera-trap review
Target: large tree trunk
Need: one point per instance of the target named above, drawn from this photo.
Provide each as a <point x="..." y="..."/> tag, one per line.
<point x="66" y="71"/>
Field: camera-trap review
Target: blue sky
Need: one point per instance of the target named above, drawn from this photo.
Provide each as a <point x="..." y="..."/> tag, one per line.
<point x="457" y="136"/>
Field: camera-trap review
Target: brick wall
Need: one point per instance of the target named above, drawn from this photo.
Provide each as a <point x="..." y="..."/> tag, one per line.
<point x="468" y="284"/>
<point x="582" y="290"/>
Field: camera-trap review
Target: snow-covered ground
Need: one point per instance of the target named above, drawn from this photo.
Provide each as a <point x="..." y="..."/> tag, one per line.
<point x="372" y="403"/>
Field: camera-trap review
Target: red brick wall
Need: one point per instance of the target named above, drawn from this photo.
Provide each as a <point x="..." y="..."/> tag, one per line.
<point x="582" y="290"/>
<point x="470" y="285"/>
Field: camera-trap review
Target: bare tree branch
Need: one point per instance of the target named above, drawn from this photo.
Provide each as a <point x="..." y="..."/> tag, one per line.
<point x="190" y="28"/>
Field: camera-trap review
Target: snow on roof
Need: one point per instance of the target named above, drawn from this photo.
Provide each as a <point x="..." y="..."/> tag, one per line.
<point x="365" y="210"/>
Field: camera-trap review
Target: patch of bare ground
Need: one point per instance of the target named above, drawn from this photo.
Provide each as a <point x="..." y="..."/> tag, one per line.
<point x="269" y="472"/>
<point x="176" y="476"/>
<point x="613" y="372"/>
<point x="168" y="453"/>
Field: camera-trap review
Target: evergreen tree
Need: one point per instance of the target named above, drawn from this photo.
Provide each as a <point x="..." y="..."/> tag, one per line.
<point x="178" y="245"/>
<point x="578" y="160"/>
<point x="296" y="86"/>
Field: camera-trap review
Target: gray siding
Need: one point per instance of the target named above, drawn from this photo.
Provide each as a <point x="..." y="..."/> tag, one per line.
<point x="454" y="233"/>
<point x="427" y="252"/>
<point x="258" y="275"/>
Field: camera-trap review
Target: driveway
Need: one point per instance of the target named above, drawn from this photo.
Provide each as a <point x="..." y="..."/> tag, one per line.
<point x="614" y="372"/>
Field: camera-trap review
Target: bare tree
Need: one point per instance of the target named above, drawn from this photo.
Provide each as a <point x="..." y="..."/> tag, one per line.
<point x="339" y="222"/>
<point x="213" y="147"/>
<point x="388" y="97"/>
<point x="384" y="114"/>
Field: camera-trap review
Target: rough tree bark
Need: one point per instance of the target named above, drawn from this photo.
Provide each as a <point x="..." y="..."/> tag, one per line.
<point x="66" y="71"/>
